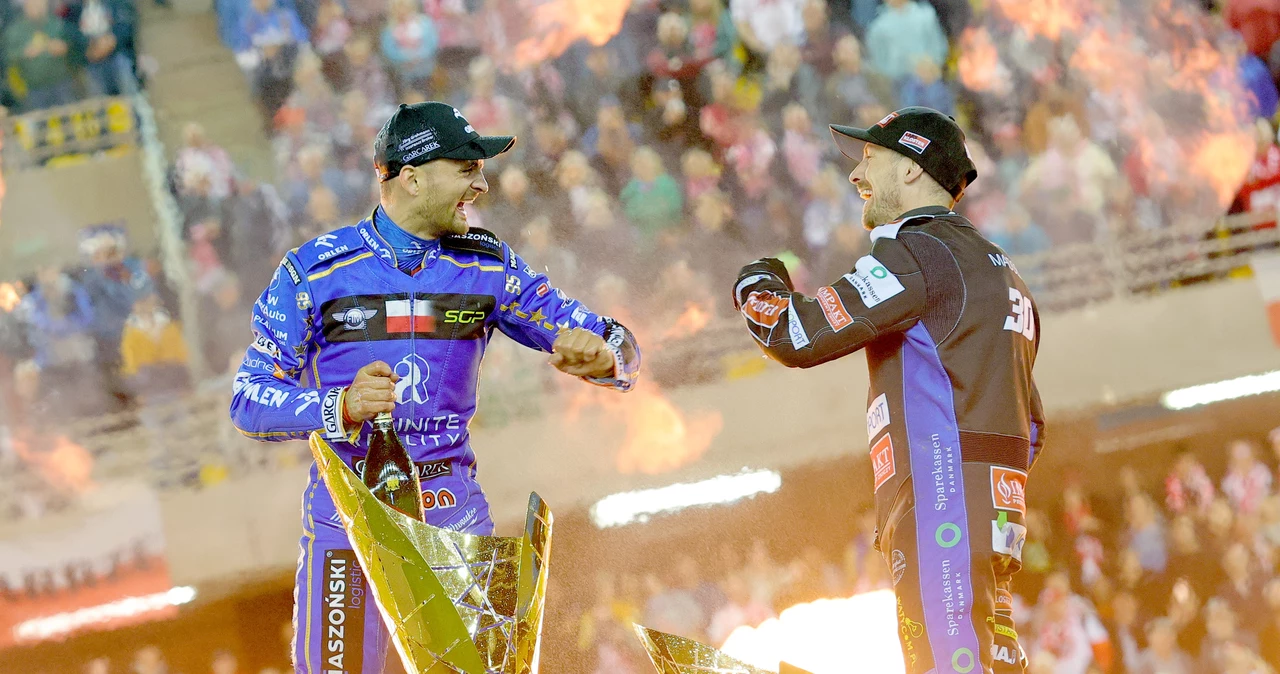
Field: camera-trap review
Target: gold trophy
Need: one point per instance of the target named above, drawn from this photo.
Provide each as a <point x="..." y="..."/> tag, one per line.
<point x="677" y="655"/>
<point x="453" y="602"/>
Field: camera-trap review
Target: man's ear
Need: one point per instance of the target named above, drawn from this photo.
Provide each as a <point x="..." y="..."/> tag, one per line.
<point x="408" y="178"/>
<point x="912" y="172"/>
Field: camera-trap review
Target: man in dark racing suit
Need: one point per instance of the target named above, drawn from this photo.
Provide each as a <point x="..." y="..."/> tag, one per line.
<point x="954" y="420"/>
<point x="393" y="315"/>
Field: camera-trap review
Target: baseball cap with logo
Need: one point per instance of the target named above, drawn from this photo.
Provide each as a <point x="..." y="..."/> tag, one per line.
<point x="419" y="133"/>
<point x="930" y="138"/>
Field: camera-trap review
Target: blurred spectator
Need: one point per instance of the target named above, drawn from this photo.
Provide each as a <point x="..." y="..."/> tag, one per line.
<point x="312" y="95"/>
<point x="787" y="81"/>
<point x="513" y="202"/>
<point x="1258" y="21"/>
<point x="801" y="148"/>
<point x="711" y="30"/>
<point x="1146" y="534"/>
<point x="113" y="281"/>
<point x="1188" y="488"/>
<point x="149" y="660"/>
<point x="675" y="56"/>
<point x="672" y="609"/>
<point x="1269" y="631"/>
<point x="904" y="32"/>
<point x="271" y="38"/>
<point x="1163" y="655"/>
<point x="669" y="121"/>
<point x="600" y="80"/>
<point x="198" y="153"/>
<point x="820" y="36"/>
<point x="315" y="171"/>
<point x="541" y="250"/>
<point x="610" y="143"/>
<point x="850" y="89"/>
<point x="700" y="171"/>
<point x="35" y="45"/>
<point x="223" y="340"/>
<point x="487" y="108"/>
<point x="1220" y="634"/>
<point x="1188" y="559"/>
<point x="106" y="29"/>
<point x="925" y="86"/>
<point x="409" y="43"/>
<point x="329" y="37"/>
<point x="367" y="74"/>
<point x="1256" y="76"/>
<point x="1068" y="187"/>
<point x="153" y="353"/>
<point x="1260" y="192"/>
<point x="1070" y="630"/>
<point x="1016" y="234"/>
<point x="1242" y="588"/>
<point x="651" y="199"/>
<point x="224" y="662"/>
<point x="740" y="608"/>
<point x="764" y="24"/>
<point x="1247" y="482"/>
<point x="831" y="207"/>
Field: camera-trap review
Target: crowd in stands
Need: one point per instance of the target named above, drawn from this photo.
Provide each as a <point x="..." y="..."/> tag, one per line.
<point x="698" y="132"/>
<point x="1172" y="578"/>
<point x="58" y="51"/>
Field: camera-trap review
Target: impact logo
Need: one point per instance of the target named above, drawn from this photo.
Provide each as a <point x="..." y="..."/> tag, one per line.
<point x="345" y="600"/>
<point x="833" y="308"/>
<point x="882" y="461"/>
<point x="414" y="371"/>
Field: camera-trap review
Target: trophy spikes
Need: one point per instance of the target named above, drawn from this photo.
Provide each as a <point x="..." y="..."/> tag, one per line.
<point x="452" y="602"/>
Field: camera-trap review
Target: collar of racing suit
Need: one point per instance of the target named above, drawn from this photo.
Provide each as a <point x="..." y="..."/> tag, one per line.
<point x="412" y="253"/>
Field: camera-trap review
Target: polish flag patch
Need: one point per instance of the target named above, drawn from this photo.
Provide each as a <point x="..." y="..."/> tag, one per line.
<point x="410" y="316"/>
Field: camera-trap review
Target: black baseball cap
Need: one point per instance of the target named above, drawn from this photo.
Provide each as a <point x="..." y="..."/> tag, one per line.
<point x="418" y="133"/>
<point x="930" y="138"/>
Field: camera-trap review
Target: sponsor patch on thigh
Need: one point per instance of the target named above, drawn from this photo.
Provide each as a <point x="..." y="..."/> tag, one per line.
<point x="346" y="596"/>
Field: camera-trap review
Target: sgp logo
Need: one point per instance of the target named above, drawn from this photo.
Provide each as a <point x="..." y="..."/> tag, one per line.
<point x="414" y="371"/>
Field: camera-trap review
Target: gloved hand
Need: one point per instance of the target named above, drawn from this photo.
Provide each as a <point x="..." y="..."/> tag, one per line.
<point x="765" y="267"/>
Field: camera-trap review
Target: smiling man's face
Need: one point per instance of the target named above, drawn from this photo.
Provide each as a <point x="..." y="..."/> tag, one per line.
<point x="879" y="178"/>
<point x="445" y="185"/>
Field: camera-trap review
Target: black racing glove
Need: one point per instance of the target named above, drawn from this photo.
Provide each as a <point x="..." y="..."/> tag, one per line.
<point x="765" y="267"/>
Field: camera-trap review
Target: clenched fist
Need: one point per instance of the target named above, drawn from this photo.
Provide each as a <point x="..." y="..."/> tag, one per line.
<point x="582" y="353"/>
<point x="372" y="392"/>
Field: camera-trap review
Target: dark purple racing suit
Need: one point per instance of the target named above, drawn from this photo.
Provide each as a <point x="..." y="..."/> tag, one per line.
<point x="954" y="420"/>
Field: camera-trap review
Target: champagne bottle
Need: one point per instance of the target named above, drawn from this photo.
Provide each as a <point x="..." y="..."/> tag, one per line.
<point x="388" y="471"/>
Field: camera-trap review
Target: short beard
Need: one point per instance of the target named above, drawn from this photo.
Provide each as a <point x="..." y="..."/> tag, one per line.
<point x="885" y="205"/>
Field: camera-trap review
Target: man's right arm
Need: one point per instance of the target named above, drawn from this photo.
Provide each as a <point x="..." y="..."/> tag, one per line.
<point x="268" y="401"/>
<point x="884" y="293"/>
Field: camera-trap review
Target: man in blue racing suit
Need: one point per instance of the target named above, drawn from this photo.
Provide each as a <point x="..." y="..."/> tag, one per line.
<point x="393" y="315"/>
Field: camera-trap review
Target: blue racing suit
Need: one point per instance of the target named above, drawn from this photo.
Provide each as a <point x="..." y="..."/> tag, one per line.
<point x="338" y="303"/>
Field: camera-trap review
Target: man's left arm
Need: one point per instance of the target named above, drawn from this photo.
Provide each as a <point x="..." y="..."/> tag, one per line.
<point x="884" y="293"/>
<point x="538" y="315"/>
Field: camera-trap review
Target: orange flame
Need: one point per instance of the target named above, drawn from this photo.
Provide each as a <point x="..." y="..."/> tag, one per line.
<point x="691" y="322"/>
<point x="821" y="637"/>
<point x="64" y="465"/>
<point x="9" y="297"/>
<point x="1050" y="18"/>
<point x="979" y="66"/>
<point x="557" y="24"/>
<point x="659" y="437"/>
<point x="1229" y="156"/>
